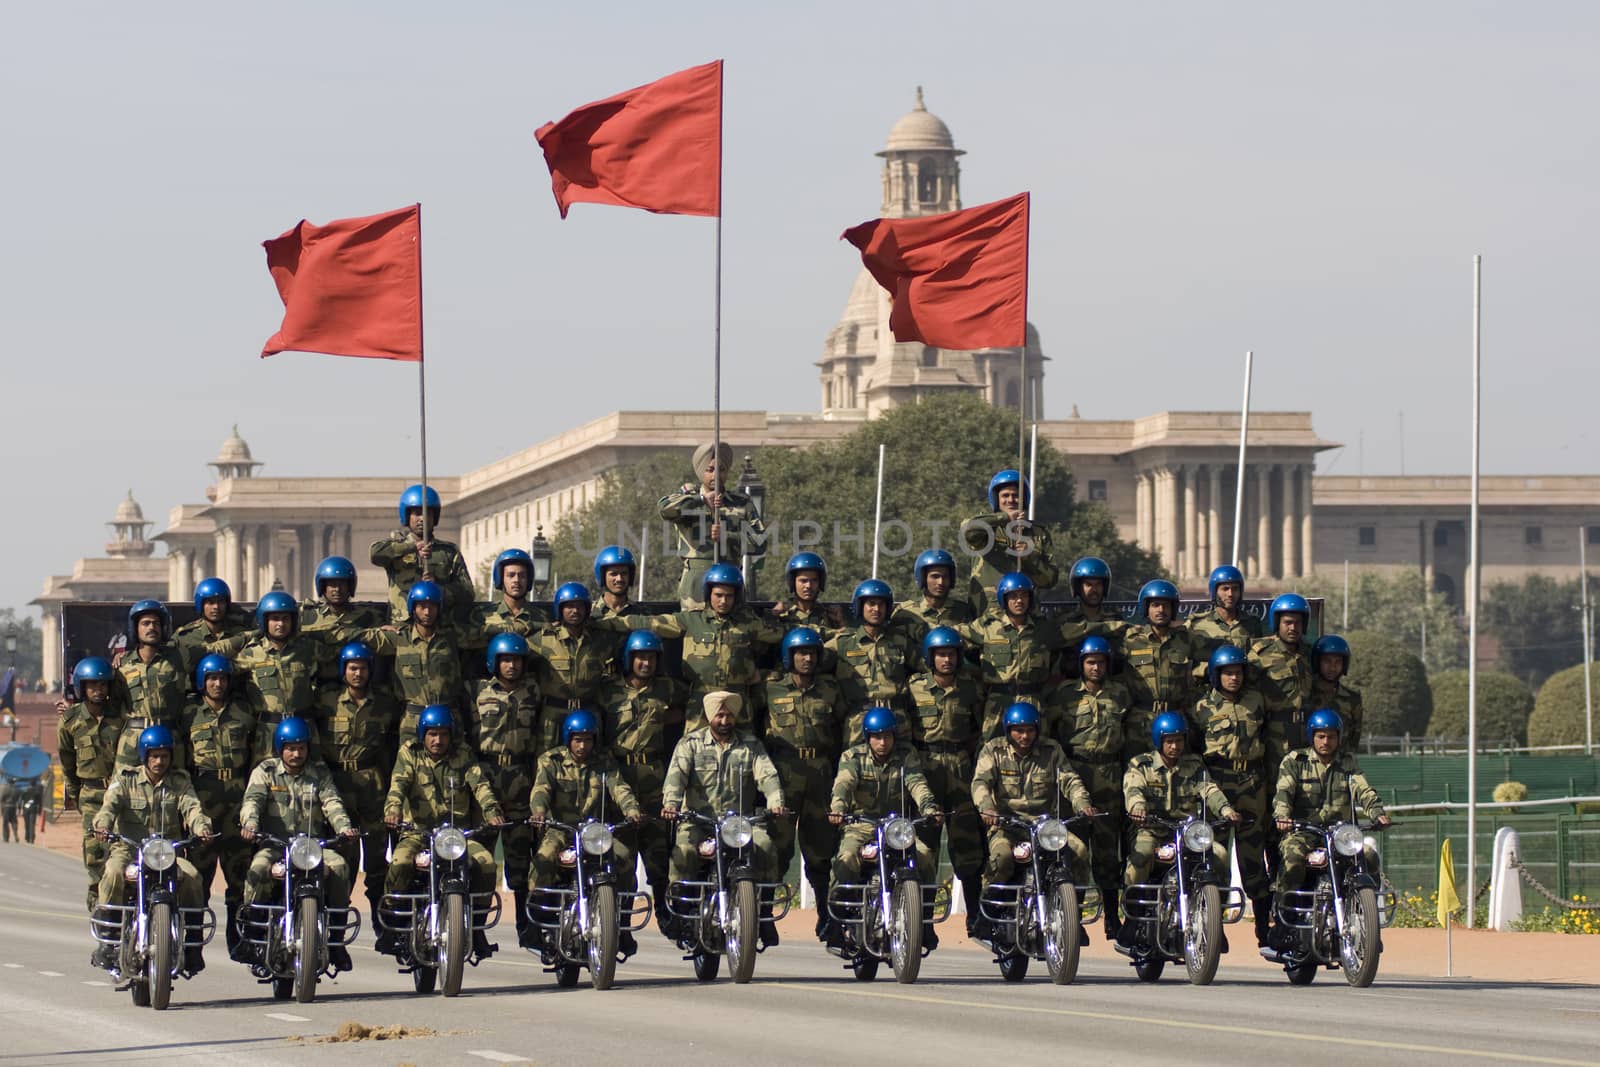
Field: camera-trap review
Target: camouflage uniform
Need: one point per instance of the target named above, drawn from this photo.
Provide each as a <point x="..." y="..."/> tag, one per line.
<point x="570" y="671"/>
<point x="282" y="804"/>
<point x="570" y="792"/>
<point x="427" y="670"/>
<point x="1077" y="624"/>
<point x="915" y="618"/>
<point x="1090" y="729"/>
<point x="420" y="786"/>
<point x="688" y="512"/>
<point x="1159" y="673"/>
<point x="333" y="630"/>
<point x="219" y="762"/>
<point x="1344" y="700"/>
<point x="359" y="747"/>
<point x="800" y="728"/>
<point x="713" y="778"/>
<point x="489" y="620"/>
<point x="633" y="725"/>
<point x="825" y="621"/>
<point x="1283" y="675"/>
<point x="1005" y="781"/>
<point x="863" y="786"/>
<point x="1000" y="558"/>
<point x="944" y="730"/>
<point x="1212" y="631"/>
<point x="719" y="652"/>
<point x="1233" y="747"/>
<point x="1018" y="663"/>
<point x="600" y="610"/>
<point x="278" y="682"/>
<point x="397" y="555"/>
<point x="135" y="808"/>
<point x="190" y="639"/>
<point x="1310" y="790"/>
<point x="86" y="745"/>
<point x="153" y="692"/>
<point x="873" y="672"/>
<point x="503" y="729"/>
<point x="1150" y="787"/>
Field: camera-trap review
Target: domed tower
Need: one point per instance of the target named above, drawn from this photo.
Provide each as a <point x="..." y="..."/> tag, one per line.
<point x="863" y="368"/>
<point x="233" y="459"/>
<point x="128" y="528"/>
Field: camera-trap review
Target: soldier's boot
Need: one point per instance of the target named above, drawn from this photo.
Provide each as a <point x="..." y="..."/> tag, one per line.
<point x="768" y="933"/>
<point x="391" y="938"/>
<point x="525" y="929"/>
<point x="819" y="889"/>
<point x="231" y="926"/>
<point x="194" y="939"/>
<point x="1263" y="910"/>
<point x="1111" y="899"/>
<point x="481" y="945"/>
<point x="105" y="956"/>
<point x="339" y="958"/>
<point x="930" y="938"/>
<point x="972" y="896"/>
<point x="626" y="944"/>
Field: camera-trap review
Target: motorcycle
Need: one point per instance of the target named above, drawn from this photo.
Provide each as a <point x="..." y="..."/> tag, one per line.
<point x="436" y="921"/>
<point x="582" y="919"/>
<point x="721" y="915"/>
<point x="1043" y="915"/>
<point x="1180" y="912"/>
<point x="883" y="917"/>
<point x="149" y="934"/>
<point x="1334" y="922"/>
<point x="293" y="935"/>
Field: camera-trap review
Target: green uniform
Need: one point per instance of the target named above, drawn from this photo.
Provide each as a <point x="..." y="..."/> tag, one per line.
<point x="1310" y="790"/>
<point x="503" y="729"/>
<point x="397" y="555"/>
<point x="487" y="621"/>
<point x="633" y="724"/>
<point x="282" y="804"/>
<point x="1212" y="631"/>
<point x="864" y="786"/>
<point x="872" y="671"/>
<point x="1150" y="787"/>
<point x="713" y="778"/>
<point x="1158" y="670"/>
<point x="153" y="692"/>
<point x="1010" y="783"/>
<point x="136" y="808"/>
<point x="916" y="617"/>
<point x="191" y="638"/>
<point x="421" y="787"/>
<point x="1283" y="675"/>
<point x="570" y="792"/>
<point x="1233" y="746"/>
<point x="1090" y="729"/>
<point x="998" y="546"/>
<point x="801" y="724"/>
<point x="427" y="670"/>
<point x="86" y="745"/>
<point x="1344" y="700"/>
<point x="278" y="682"/>
<point x="333" y="630"/>
<point x="944" y="730"/>
<point x="571" y="670"/>
<point x="359" y="747"/>
<point x="601" y="610"/>
<point x="719" y="652"/>
<point x="1017" y="662"/>
<point x="693" y="518"/>
<point x="220" y="759"/>
<point x="1077" y="624"/>
<point x="825" y="621"/>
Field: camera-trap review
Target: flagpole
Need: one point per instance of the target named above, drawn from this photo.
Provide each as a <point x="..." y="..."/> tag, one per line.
<point x="422" y="403"/>
<point x="1033" y="468"/>
<point x="1022" y="386"/>
<point x="1238" y="491"/>
<point x="877" y="521"/>
<point x="716" y="337"/>
<point x="1473" y="593"/>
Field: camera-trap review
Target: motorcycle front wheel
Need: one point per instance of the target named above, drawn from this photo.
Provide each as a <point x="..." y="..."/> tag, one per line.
<point x="1061" y="942"/>
<point x="1014" y="968"/>
<point x="744" y="915"/>
<point x="1149" y="969"/>
<point x="306" y="951"/>
<point x="1301" y="973"/>
<point x="423" y="978"/>
<point x="865" y="968"/>
<point x="455" y="942"/>
<point x="158" y="970"/>
<point x="706" y="965"/>
<point x="1202" y="938"/>
<point x="603" y="936"/>
<point x="905" y="932"/>
<point x="1358" y="944"/>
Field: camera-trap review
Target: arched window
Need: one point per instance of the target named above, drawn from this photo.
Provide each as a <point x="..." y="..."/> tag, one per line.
<point x="930" y="356"/>
<point x="927" y="181"/>
<point x="1013" y="394"/>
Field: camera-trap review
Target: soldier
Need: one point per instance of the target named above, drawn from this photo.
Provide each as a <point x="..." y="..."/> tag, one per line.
<point x="1159" y="659"/>
<point x="872" y="660"/>
<point x="574" y="783"/>
<point x="1090" y="581"/>
<point x="874" y="779"/>
<point x="1330" y="656"/>
<point x="216" y="619"/>
<point x="503" y="730"/>
<point x="1225" y="621"/>
<point x="807" y="576"/>
<point x="615" y="572"/>
<point x="721" y="768"/>
<point x="636" y="709"/>
<point x="1017" y="650"/>
<point x="437" y="781"/>
<point x="289" y="795"/>
<point x="279" y="666"/>
<point x="935" y="571"/>
<point x="360" y="750"/>
<point x="575" y="656"/>
<point x="1230" y="720"/>
<point x="407" y="559"/>
<point x="1091" y="730"/>
<point x="140" y="801"/>
<point x="1281" y="669"/>
<point x="1005" y="540"/>
<point x="946" y="712"/>
<point x="510" y="612"/>
<point x="804" y="714"/>
<point x="713" y="523"/>
<point x="427" y="658"/>
<point x="334" y="618"/>
<point x="86" y="743"/>
<point x="221" y="727"/>
<point x="1171" y="783"/>
<point x="1316" y="785"/>
<point x="154" y="686"/>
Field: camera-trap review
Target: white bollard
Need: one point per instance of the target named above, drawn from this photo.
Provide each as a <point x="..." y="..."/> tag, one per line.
<point x="808" y="898"/>
<point x="958" y="897"/>
<point x="1505" y="882"/>
<point x="638" y="872"/>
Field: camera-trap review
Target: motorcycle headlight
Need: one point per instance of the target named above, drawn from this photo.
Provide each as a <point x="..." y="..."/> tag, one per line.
<point x="305" y="853"/>
<point x="1198" y="836"/>
<point x="595" y="838"/>
<point x="1348" y="839"/>
<point x="899" y="834"/>
<point x="450" y="844"/>
<point x="736" y="831"/>
<point x="158" y="854"/>
<point x="1052" y="834"/>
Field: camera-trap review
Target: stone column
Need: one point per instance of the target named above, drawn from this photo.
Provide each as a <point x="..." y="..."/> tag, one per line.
<point x="177" y="564"/>
<point x="1191" y="521"/>
<point x="1174" y="535"/>
<point x="310" y="538"/>
<point x="1308" y="561"/>
<point x="251" y="564"/>
<point x="1291" y="521"/>
<point x="1214" y="549"/>
<point x="1427" y="554"/>
<point x="50" y="633"/>
<point x="1141" y="508"/>
<point x="228" y="568"/>
<point x="1163" y="510"/>
<point x="348" y="552"/>
<point x="1265" y="564"/>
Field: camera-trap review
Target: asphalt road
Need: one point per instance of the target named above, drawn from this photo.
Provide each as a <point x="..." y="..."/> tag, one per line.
<point x="801" y="1008"/>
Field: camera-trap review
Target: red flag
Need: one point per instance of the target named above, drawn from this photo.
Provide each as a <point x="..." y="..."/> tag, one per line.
<point x="959" y="280"/>
<point x="352" y="287"/>
<point x="657" y="147"/>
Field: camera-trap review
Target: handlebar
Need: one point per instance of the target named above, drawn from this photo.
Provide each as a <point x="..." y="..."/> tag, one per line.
<point x="712" y="820"/>
<point x="571" y="829"/>
<point x="852" y="818"/>
<point x="268" y="839"/>
<point x="1319" y="828"/>
<point x="1161" y="822"/>
<point x="138" y="843"/>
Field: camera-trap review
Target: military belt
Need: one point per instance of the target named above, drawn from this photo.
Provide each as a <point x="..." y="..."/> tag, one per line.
<point x="635" y="759"/>
<point x="221" y="774"/>
<point x="503" y="759"/>
<point x="351" y="766"/>
<point x="805" y="752"/>
<point x="949" y="747"/>
<point x="564" y="703"/>
<point x="1234" y="766"/>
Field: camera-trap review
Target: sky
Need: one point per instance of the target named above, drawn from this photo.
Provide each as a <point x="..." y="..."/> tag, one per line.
<point x="1307" y="181"/>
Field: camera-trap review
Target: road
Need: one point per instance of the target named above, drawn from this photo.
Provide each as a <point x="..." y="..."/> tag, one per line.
<point x="802" y="1008"/>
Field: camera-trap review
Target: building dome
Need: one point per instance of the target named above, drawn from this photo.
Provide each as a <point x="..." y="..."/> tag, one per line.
<point x="129" y="510"/>
<point x="920" y="130"/>
<point x="234" y="449"/>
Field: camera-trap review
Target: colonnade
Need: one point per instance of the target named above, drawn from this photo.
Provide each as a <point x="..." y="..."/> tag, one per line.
<point x="1184" y="512"/>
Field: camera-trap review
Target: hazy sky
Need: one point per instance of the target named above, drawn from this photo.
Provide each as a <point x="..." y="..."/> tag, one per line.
<point x="1308" y="181"/>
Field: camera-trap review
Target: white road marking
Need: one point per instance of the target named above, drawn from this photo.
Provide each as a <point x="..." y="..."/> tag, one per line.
<point x="283" y="1016"/>
<point x="93" y="982"/>
<point x="494" y="1056"/>
<point x="52" y="974"/>
<point x="14" y="966"/>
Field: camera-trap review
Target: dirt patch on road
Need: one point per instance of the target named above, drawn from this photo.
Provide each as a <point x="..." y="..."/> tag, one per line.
<point x="350" y="1030"/>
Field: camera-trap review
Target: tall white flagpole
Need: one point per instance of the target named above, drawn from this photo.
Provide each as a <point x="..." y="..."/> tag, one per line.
<point x="1238" y="492"/>
<point x="1588" y="697"/>
<point x="1474" y="587"/>
<point x="877" y="520"/>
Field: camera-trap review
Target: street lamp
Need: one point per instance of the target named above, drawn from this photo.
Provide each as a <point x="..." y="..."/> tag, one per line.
<point x="542" y="557"/>
<point x="11" y="645"/>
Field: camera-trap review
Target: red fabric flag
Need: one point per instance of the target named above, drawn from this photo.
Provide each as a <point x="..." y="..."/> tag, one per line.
<point x="352" y="287"/>
<point x="959" y="280"/>
<point x="657" y="147"/>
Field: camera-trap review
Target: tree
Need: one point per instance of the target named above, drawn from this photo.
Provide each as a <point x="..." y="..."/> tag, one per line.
<point x="1395" y="606"/>
<point x="1393" y="685"/>
<point x="1559" y="715"/>
<point x="1538" y="625"/>
<point x="626" y="505"/>
<point x="1504" y="704"/>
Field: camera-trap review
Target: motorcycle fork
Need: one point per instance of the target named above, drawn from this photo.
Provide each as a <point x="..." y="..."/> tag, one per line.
<point x="581" y="885"/>
<point x="1183" y="884"/>
<point x="1334" y="883"/>
<point x="885" y="887"/>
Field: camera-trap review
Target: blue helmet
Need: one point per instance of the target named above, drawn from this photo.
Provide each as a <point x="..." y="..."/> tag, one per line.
<point x="423" y="592"/>
<point x="1094" y="645"/>
<point x="1089" y="567"/>
<point x="1000" y="481"/>
<point x="722" y="574"/>
<point x="1224" y="656"/>
<point x="435" y="717"/>
<point x="276" y="602"/>
<point x="871" y="589"/>
<point x="506" y="645"/>
<point x="153" y="737"/>
<point x="412" y="498"/>
<point x="939" y="637"/>
<point x="933" y="557"/>
<point x="1324" y="719"/>
<point x="212" y="664"/>
<point x="1223" y="575"/>
<point x="807" y="561"/>
<point x="291" y="731"/>
<point x="1166" y="724"/>
<point x="148" y="607"/>
<point x="1157" y="589"/>
<point x="1015" y="582"/>
<point x="579" y="721"/>
<point x="1021" y="713"/>
<point x="1288" y="603"/>
<point x="354" y="652"/>
<point x="510" y="555"/>
<point x="211" y="589"/>
<point x="92" y="669"/>
<point x="610" y="556"/>
<point x="877" y="721"/>
<point x="1332" y="645"/>
<point x="637" y="642"/>
<point x="801" y="637"/>
<point x="569" y="593"/>
<point x="335" y="569"/>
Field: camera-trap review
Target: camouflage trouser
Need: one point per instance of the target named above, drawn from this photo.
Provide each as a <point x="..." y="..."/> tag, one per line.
<point x="1142" y="855"/>
<point x="220" y="799"/>
<point x="512" y="785"/>
<point x="807" y="786"/>
<point x="1247" y="791"/>
<point x="259" y="883"/>
<point x="1002" y="864"/>
<point x="547" y="861"/>
<point x="648" y="839"/>
<point x="691" y="582"/>
<point x="114" y="887"/>
<point x="483" y="878"/>
<point x="94" y="849"/>
<point x="847" y="863"/>
<point x="1103" y="779"/>
<point x="1293" y="850"/>
<point x="364" y="792"/>
<point x="950" y="777"/>
<point x="686" y="864"/>
<point x="1285" y="731"/>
